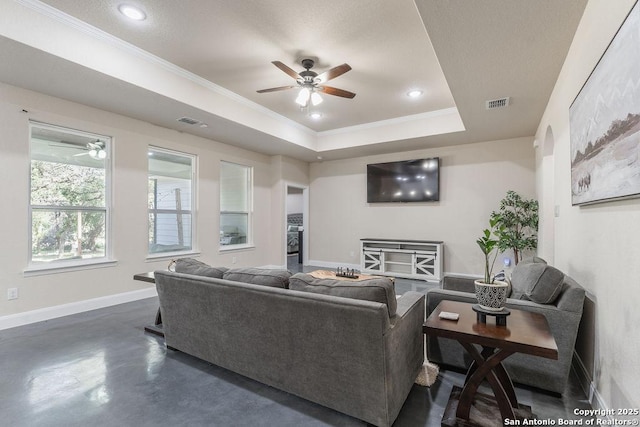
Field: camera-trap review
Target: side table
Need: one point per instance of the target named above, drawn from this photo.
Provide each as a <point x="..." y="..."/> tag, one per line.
<point x="525" y="332"/>
<point x="156" y="328"/>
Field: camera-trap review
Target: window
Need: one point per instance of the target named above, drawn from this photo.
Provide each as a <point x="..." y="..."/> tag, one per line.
<point x="69" y="197"/>
<point x="171" y="201"/>
<point x="235" y="204"/>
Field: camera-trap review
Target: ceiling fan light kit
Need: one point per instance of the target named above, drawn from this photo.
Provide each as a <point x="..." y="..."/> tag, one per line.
<point x="310" y="82"/>
<point x="95" y="150"/>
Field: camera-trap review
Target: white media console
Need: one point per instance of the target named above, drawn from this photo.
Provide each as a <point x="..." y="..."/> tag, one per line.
<point x="413" y="259"/>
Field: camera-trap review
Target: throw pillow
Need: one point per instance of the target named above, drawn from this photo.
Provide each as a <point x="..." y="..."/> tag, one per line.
<point x="198" y="268"/>
<point x="519" y="283"/>
<point x="379" y="289"/>
<point x="259" y="276"/>
<point x="541" y="283"/>
<point x="532" y="260"/>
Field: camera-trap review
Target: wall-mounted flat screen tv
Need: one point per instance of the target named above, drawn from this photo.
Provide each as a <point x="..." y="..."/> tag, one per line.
<point x="404" y="181"/>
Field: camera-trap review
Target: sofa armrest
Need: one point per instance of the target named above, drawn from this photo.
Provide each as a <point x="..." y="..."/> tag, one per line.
<point x="404" y="348"/>
<point x="408" y="302"/>
<point x="434" y="296"/>
<point x="461" y="284"/>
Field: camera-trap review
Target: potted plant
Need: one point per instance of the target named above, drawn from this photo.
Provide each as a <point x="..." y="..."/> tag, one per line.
<point x="518" y="220"/>
<point x="490" y="293"/>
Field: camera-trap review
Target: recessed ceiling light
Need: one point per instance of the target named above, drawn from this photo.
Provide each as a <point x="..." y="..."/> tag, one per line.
<point x="132" y="12"/>
<point x="414" y="93"/>
<point x="315" y="115"/>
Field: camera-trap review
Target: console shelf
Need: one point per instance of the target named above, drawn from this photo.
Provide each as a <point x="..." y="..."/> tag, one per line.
<point x="413" y="259"/>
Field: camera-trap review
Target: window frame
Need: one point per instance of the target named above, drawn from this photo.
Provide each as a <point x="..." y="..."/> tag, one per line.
<point x="250" y="192"/>
<point x="42" y="267"/>
<point x="154" y="256"/>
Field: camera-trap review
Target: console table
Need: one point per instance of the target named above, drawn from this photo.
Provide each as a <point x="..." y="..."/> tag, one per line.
<point x="412" y="259"/>
<point x="156" y="328"/>
<point x="525" y="332"/>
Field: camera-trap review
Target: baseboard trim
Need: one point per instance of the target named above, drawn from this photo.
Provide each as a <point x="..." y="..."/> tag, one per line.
<point x="587" y="385"/>
<point x="48" y="313"/>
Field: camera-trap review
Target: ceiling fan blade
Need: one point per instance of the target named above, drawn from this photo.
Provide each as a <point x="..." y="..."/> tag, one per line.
<point x="286" y="69"/>
<point x="337" y="92"/>
<point x="275" y="89"/>
<point x="334" y="72"/>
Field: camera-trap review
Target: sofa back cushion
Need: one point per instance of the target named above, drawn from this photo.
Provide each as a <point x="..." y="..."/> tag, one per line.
<point x="379" y="289"/>
<point x="536" y="281"/>
<point x="259" y="276"/>
<point x="198" y="268"/>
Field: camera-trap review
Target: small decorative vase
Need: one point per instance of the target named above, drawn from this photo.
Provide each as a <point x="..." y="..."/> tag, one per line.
<point x="491" y="296"/>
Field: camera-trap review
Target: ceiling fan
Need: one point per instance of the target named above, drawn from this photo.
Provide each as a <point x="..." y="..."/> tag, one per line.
<point x="310" y="82"/>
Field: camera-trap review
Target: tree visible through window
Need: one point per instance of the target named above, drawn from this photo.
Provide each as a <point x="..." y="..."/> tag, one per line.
<point x="69" y="197"/>
<point x="170" y="201"/>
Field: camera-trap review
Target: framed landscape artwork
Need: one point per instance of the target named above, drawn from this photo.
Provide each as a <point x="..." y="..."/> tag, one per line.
<point x="604" y="122"/>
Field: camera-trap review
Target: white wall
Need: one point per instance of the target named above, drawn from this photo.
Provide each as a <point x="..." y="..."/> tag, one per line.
<point x="131" y="139"/>
<point x="285" y="172"/>
<point x="473" y="180"/>
<point x="597" y="244"/>
<point x="294" y="202"/>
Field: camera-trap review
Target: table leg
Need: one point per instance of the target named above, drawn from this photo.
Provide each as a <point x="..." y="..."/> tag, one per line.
<point x="501" y="374"/>
<point x="156" y="328"/>
<point x="487" y="365"/>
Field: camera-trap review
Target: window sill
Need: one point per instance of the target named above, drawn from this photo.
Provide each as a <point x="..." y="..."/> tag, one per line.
<point x="167" y="256"/>
<point x="234" y="248"/>
<point x="43" y="269"/>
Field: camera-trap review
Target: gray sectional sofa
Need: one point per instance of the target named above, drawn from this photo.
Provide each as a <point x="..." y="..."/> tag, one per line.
<point x="536" y="287"/>
<point x="356" y="351"/>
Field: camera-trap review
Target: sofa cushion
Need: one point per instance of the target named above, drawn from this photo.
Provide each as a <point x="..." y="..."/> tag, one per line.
<point x="198" y="268"/>
<point x="379" y="289"/>
<point x="540" y="283"/>
<point x="259" y="276"/>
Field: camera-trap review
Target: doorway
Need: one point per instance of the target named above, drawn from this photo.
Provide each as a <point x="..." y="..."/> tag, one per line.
<point x="296" y="220"/>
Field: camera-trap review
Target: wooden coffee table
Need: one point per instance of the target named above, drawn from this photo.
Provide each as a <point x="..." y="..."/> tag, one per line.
<point x="328" y="274"/>
<point x="525" y="332"/>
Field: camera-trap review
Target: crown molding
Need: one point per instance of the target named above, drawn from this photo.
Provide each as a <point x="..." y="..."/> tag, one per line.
<point x="103" y="36"/>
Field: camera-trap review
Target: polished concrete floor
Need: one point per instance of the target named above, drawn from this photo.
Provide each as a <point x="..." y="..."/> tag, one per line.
<point x="100" y="368"/>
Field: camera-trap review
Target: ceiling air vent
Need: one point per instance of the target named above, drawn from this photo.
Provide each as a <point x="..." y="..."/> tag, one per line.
<point x="497" y="103"/>
<point x="188" y="120"/>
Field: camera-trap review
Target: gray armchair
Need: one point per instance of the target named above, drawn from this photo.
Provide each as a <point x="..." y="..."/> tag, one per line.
<point x="563" y="314"/>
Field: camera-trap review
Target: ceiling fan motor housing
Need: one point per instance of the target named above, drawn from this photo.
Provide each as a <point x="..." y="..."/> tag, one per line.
<point x="308" y="75"/>
<point x="308" y="63"/>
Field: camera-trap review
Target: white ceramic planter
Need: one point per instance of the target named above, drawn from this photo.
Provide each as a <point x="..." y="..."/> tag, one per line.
<point x="491" y="296"/>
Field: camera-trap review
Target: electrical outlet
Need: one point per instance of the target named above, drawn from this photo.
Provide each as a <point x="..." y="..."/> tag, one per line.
<point x="352" y="253"/>
<point x="12" y="293"/>
<point x="233" y="260"/>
